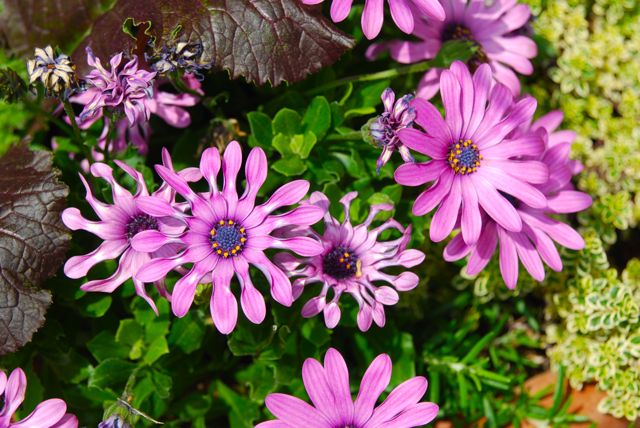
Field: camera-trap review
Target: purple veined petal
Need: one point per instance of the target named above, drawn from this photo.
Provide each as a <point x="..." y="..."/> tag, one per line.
<point x="122" y="273"/>
<point x="507" y="77"/>
<point x="527" y="171"/>
<point x="317" y="386"/>
<point x="432" y="8"/>
<point x="410" y="258"/>
<point x="306" y="247"/>
<point x="374" y="381"/>
<point x="471" y="220"/>
<point x="136" y="175"/>
<point x="340" y="10"/>
<point x="3" y="381"/>
<point x="15" y="389"/>
<point x="451" y="96"/>
<point x="256" y="172"/>
<point x="447" y="214"/>
<point x="346" y="204"/>
<point x="500" y="99"/>
<point x="67" y="421"/>
<point x="388" y="98"/>
<point x="210" y="167"/>
<point x="508" y="259"/>
<point x="428" y="117"/>
<point x="277" y="424"/>
<point x="431" y="197"/>
<point x="517" y="188"/>
<point x="528" y="256"/>
<point x="44" y="414"/>
<point x="484" y="249"/>
<point x="403" y="396"/>
<point x="231" y="163"/>
<point x="402" y="15"/>
<point x="314" y="306"/>
<point x="386" y="295"/>
<point x="149" y="241"/>
<point x="550" y="121"/>
<point x="155" y="207"/>
<point x="561" y="233"/>
<point x="278" y="281"/>
<point x="178" y="183"/>
<point x="466" y="101"/>
<point x="520" y="113"/>
<point x="251" y="300"/>
<point x="545" y="247"/>
<point x="378" y="314"/>
<point x="72" y="218"/>
<point x="332" y="314"/>
<point x="415" y="416"/>
<point x="372" y="18"/>
<point x="482" y="82"/>
<point x="416" y="174"/>
<point x="121" y="196"/>
<point x="373" y="212"/>
<point x="158" y="268"/>
<point x="224" y="307"/>
<point x="78" y="266"/>
<point x="496" y="205"/>
<point x="564" y="136"/>
<point x="185" y="288"/>
<point x="295" y="412"/>
<point x="456" y="249"/>
<point x="288" y="194"/>
<point x="337" y="372"/>
<point x="142" y="292"/>
<point x="364" y="318"/>
<point x="526" y="145"/>
<point x="516" y="17"/>
<point x="569" y="201"/>
<point x="104" y="211"/>
<point x="423" y="143"/>
<point x="305" y="215"/>
<point x="406" y="281"/>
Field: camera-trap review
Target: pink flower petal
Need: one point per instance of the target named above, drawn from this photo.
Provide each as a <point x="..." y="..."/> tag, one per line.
<point x="372" y="17"/>
<point x="374" y="381"/>
<point x="224" y="307"/>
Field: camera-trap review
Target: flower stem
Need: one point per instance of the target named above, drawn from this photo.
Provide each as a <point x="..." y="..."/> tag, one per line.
<point x="380" y="75"/>
<point x="72" y="118"/>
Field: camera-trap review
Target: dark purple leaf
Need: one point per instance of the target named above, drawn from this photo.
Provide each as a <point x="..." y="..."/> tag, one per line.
<point x="33" y="241"/>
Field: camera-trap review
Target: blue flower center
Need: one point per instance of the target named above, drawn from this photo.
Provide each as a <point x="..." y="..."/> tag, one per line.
<point x="140" y="223"/>
<point x="228" y="238"/>
<point x="341" y="263"/>
<point x="464" y="157"/>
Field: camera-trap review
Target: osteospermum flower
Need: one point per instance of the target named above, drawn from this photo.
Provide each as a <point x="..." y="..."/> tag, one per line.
<point x="124" y="89"/>
<point x="403" y="12"/>
<point x="535" y="243"/>
<point x="225" y="234"/>
<point x="181" y="56"/>
<point x="118" y="224"/>
<point x="48" y="414"/>
<point x="56" y="73"/>
<point x="492" y="27"/>
<point x="333" y="407"/>
<point x="352" y="261"/>
<point x="472" y="156"/>
<point x="397" y="115"/>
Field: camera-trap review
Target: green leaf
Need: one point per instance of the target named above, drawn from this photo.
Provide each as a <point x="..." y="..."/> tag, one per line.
<point x="156" y="349"/>
<point x="317" y="118"/>
<point x="287" y="122"/>
<point x="104" y="346"/>
<point x="261" y="379"/>
<point x="129" y="332"/>
<point x="94" y="305"/>
<point x="186" y="334"/>
<point x="243" y="411"/>
<point x="261" y="128"/>
<point x="110" y="372"/>
<point x="290" y="167"/>
<point x="302" y="144"/>
<point x="33" y="241"/>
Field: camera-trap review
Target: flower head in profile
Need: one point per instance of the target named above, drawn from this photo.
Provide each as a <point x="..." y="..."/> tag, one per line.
<point x="404" y="13"/>
<point x="397" y="115"/>
<point x="124" y="90"/>
<point x="56" y="73"/>
<point x="117" y="225"/>
<point x="352" y="261"/>
<point x="492" y="27"/>
<point x="225" y="234"/>
<point x="535" y="243"/>
<point x="329" y="389"/>
<point x="48" y="414"/>
<point x="167" y="105"/>
<point x="475" y="162"/>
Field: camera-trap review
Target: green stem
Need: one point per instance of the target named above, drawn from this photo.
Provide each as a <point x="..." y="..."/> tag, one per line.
<point x="72" y="118"/>
<point x="381" y="75"/>
<point x="355" y="135"/>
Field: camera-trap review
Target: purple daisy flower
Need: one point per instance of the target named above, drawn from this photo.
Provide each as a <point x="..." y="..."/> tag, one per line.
<point x="471" y="154"/>
<point x="225" y="234"/>
<point x="352" y="261"/>
<point x="329" y="390"/>
<point x="122" y="89"/>
<point x="535" y="243"/>
<point x="492" y="27"/>
<point x="397" y="115"/>
<point x="403" y="12"/>
<point x="48" y="414"/>
<point x="118" y="225"/>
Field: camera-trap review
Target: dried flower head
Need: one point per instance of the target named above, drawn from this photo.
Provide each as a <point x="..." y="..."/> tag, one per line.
<point x="56" y="73"/>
